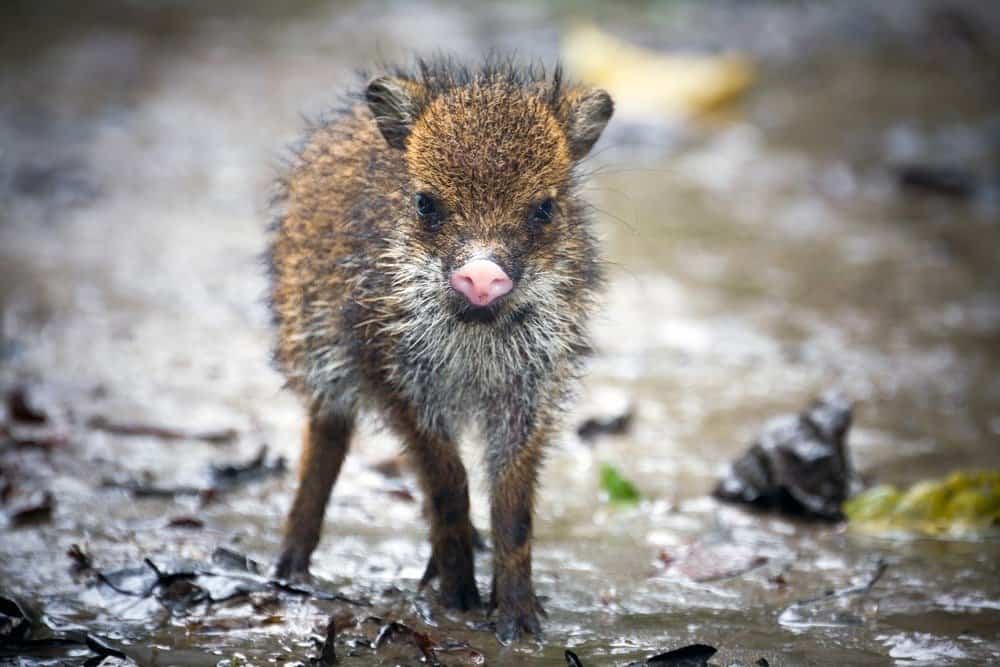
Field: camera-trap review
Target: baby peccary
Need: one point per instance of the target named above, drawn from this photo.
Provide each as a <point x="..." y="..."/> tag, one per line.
<point x="434" y="263"/>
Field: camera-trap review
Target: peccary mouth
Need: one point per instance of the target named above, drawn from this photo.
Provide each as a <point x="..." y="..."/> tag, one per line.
<point x="492" y="313"/>
<point x="479" y="314"/>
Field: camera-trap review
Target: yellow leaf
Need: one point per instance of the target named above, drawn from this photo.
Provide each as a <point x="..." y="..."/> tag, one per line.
<point x="966" y="503"/>
<point x="645" y="82"/>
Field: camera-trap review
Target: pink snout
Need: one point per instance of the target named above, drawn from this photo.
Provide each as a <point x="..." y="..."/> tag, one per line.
<point x="481" y="282"/>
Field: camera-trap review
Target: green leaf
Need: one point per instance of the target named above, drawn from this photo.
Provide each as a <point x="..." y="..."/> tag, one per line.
<point x="619" y="489"/>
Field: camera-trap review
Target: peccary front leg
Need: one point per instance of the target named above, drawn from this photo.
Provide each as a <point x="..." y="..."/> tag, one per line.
<point x="446" y="489"/>
<point x="325" y="442"/>
<point x="513" y="474"/>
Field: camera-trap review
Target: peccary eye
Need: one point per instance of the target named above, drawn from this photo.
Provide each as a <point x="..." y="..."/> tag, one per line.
<point x="427" y="210"/>
<point x="543" y="212"/>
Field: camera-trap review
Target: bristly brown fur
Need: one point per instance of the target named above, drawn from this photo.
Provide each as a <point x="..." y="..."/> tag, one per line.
<point x="366" y="318"/>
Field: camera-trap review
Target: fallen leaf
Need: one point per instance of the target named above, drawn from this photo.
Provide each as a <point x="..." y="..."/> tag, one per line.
<point x="962" y="504"/>
<point x="36" y="509"/>
<point x="260" y="466"/>
<point x="219" y="437"/>
<point x="619" y="489"/>
<point x="694" y="655"/>
<point x="608" y="425"/>
<point x="23" y="407"/>
<point x="327" y="654"/>
<point x="643" y="81"/>
<point x="711" y="562"/>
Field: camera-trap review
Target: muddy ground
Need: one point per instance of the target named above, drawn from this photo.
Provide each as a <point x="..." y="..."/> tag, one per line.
<point x="756" y="259"/>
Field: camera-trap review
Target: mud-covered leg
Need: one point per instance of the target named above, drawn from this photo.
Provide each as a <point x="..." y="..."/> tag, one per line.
<point x="324" y="446"/>
<point x="513" y="472"/>
<point x="446" y="488"/>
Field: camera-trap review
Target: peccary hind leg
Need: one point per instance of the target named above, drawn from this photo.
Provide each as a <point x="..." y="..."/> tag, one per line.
<point x="325" y="443"/>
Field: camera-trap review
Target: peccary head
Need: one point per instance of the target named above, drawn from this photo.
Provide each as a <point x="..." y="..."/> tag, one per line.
<point x="494" y="225"/>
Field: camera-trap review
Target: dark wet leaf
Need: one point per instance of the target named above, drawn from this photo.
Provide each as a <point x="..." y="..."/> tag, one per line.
<point x="798" y="465"/>
<point x="38" y="508"/>
<point x="225" y="477"/>
<point x="181" y="594"/>
<point x="259" y="467"/>
<point x="233" y="560"/>
<point x="51" y="647"/>
<point x="219" y="437"/>
<point x="189" y="522"/>
<point x="192" y="584"/>
<point x="15" y="624"/>
<point x="953" y="182"/>
<point x="306" y="591"/>
<point x="395" y="631"/>
<point x="143" y="489"/>
<point x="694" y="655"/>
<point x="177" y="591"/>
<point x="132" y="581"/>
<point x="23" y="406"/>
<point x="83" y="563"/>
<point x="608" y="425"/>
<point x="16" y="627"/>
<point x="103" y="649"/>
<point x="327" y="653"/>
<point x="222" y="587"/>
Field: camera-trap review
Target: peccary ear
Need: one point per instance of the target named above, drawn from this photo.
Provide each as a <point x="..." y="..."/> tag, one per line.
<point x="588" y="115"/>
<point x="394" y="104"/>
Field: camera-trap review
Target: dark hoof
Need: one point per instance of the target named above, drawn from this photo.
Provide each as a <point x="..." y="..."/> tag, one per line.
<point x="293" y="564"/>
<point x="457" y="586"/>
<point x="460" y="595"/>
<point x="514" y="625"/>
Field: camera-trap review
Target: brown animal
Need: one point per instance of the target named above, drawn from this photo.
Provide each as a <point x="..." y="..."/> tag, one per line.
<point x="433" y="262"/>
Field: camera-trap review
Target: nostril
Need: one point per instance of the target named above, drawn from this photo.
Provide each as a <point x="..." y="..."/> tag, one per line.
<point x="501" y="286"/>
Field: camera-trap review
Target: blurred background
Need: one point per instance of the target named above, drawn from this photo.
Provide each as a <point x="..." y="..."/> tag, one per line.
<point x="794" y="197"/>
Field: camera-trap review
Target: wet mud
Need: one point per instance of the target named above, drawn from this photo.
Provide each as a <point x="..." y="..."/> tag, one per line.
<point x="836" y="229"/>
